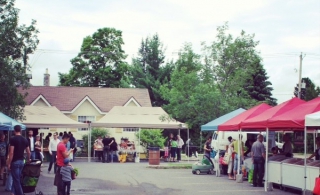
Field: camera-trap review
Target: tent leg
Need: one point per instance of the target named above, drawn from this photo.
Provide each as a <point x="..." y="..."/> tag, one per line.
<point x="314" y="140"/>
<point x="239" y="152"/>
<point x="89" y="142"/>
<point x="305" y="160"/>
<point x="266" y="161"/>
<point x="139" y="145"/>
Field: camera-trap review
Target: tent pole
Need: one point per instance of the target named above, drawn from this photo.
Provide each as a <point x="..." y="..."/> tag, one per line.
<point x="239" y="152"/>
<point x="314" y="140"/>
<point x="188" y="144"/>
<point x="89" y="142"/>
<point x="266" y="161"/>
<point x="139" y="144"/>
<point x="305" y="160"/>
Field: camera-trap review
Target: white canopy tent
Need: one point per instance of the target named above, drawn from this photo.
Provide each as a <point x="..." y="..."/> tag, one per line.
<point x="48" y="117"/>
<point x="312" y="121"/>
<point x="139" y="117"/>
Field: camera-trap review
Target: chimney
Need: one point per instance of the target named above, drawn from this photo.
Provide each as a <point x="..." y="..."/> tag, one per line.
<point x="46" y="79"/>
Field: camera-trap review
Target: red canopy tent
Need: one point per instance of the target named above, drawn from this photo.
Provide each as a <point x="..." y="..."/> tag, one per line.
<point x="260" y="121"/>
<point x="295" y="118"/>
<point x="234" y="123"/>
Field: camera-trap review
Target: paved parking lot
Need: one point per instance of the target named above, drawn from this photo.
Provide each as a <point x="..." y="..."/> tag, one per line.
<point x="135" y="178"/>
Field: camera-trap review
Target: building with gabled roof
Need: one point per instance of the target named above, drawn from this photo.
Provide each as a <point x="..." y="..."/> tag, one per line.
<point x="85" y="103"/>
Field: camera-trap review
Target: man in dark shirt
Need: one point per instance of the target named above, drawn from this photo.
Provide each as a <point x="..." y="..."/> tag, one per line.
<point x="207" y="147"/>
<point x="15" y="163"/>
<point x="107" y="141"/>
<point x="258" y="153"/>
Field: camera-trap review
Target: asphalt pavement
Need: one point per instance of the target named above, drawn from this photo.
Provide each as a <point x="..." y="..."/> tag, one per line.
<point x="136" y="179"/>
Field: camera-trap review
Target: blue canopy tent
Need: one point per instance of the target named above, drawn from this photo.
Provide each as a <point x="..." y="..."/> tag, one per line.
<point x="213" y="125"/>
<point x="7" y="123"/>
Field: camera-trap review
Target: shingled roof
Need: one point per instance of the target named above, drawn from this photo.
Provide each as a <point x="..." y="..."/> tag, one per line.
<point x="67" y="98"/>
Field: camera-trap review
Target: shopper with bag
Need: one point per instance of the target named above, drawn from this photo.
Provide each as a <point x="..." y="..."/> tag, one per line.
<point x="258" y="153"/>
<point x="227" y="159"/>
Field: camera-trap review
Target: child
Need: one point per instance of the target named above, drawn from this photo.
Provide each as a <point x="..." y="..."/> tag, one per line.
<point x="65" y="172"/>
<point x="174" y="145"/>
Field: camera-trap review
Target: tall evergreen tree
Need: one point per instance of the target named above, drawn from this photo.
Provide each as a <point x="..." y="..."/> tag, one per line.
<point x="258" y="85"/>
<point x="149" y="70"/>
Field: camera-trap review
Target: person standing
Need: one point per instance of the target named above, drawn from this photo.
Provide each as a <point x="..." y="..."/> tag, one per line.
<point x="3" y="152"/>
<point x="317" y="150"/>
<point x="62" y="154"/>
<point x="37" y="148"/>
<point x="48" y="137"/>
<point x="180" y="144"/>
<point x="174" y="146"/>
<point x="207" y="147"/>
<point x="53" y="144"/>
<point x="66" y="176"/>
<point x="169" y="140"/>
<point x="229" y="150"/>
<point x="72" y="145"/>
<point x="235" y="144"/>
<point x="31" y="141"/>
<point x="18" y="145"/>
<point x="98" y="146"/>
<point x="107" y="141"/>
<point x="287" y="149"/>
<point x="258" y="153"/>
<point x="113" y="148"/>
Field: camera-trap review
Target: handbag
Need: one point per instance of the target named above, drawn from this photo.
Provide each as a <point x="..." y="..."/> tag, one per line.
<point x="226" y="158"/>
<point x="316" y="189"/>
<point x="73" y="175"/>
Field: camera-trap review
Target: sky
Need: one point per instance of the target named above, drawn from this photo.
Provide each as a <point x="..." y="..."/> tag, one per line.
<point x="284" y="29"/>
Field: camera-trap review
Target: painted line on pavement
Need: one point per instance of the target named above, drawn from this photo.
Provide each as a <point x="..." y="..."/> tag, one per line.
<point x="211" y="191"/>
<point x="204" y="183"/>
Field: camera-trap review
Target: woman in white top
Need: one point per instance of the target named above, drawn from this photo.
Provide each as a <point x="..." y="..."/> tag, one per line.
<point x="229" y="151"/>
<point x="180" y="144"/>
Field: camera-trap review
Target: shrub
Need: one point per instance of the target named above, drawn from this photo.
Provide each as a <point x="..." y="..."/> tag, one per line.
<point x="151" y="137"/>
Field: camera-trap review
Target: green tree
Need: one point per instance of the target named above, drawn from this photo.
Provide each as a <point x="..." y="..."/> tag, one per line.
<point x="237" y="70"/>
<point x="17" y="43"/>
<point x="149" y="70"/>
<point x="192" y="99"/>
<point x="310" y="91"/>
<point x="99" y="63"/>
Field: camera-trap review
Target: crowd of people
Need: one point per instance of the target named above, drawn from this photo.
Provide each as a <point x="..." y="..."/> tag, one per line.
<point x="21" y="150"/>
<point x="173" y="148"/>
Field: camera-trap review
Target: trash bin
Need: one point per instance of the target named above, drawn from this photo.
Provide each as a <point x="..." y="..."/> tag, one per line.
<point x="154" y="155"/>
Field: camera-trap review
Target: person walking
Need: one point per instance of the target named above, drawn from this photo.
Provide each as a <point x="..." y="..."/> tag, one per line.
<point x="179" y="148"/>
<point x="66" y="176"/>
<point x="207" y="147"/>
<point x="31" y="141"/>
<point x="53" y="144"/>
<point x="18" y="145"/>
<point x="62" y="154"/>
<point x="258" y="153"/>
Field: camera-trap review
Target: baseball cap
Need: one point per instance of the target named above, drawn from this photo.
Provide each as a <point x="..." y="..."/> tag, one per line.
<point x="66" y="161"/>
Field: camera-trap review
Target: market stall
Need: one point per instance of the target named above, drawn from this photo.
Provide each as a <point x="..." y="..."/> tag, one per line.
<point x="312" y="170"/>
<point x="139" y="117"/>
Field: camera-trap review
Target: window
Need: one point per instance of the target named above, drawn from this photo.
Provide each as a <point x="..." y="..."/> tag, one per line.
<point x="81" y="119"/>
<point x="130" y="129"/>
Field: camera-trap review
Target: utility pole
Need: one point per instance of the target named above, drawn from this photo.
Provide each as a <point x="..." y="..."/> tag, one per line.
<point x="300" y="72"/>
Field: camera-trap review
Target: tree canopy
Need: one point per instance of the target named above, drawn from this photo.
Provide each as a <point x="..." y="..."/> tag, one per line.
<point x="17" y="43"/>
<point x="149" y="69"/>
<point x="99" y="63"/>
<point x="310" y="91"/>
